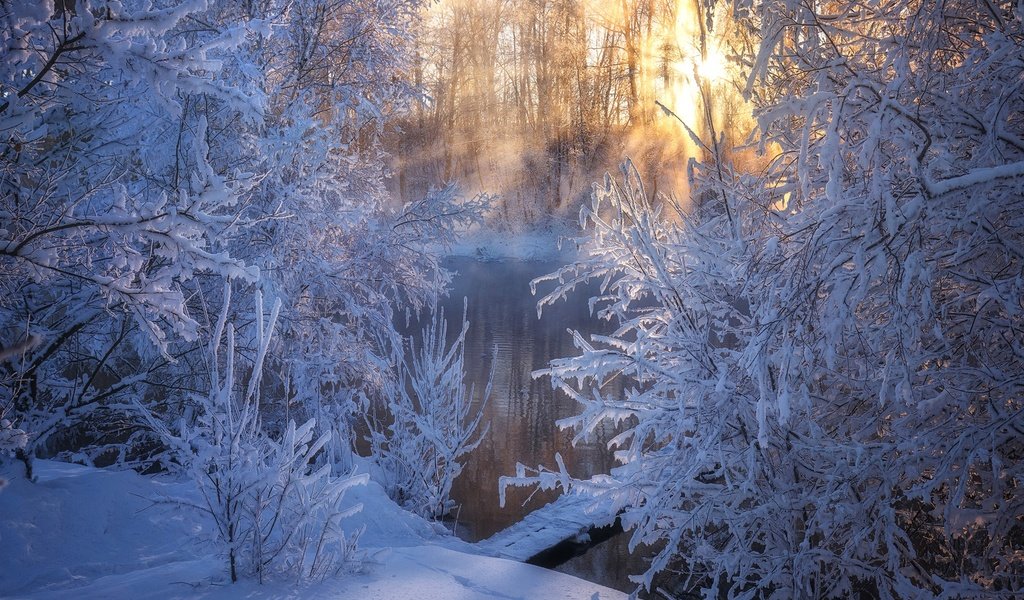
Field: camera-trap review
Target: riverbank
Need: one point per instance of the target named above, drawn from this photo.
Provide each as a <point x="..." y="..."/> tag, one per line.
<point x="81" y="532"/>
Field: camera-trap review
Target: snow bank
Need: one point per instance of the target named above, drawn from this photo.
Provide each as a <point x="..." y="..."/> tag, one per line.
<point x="77" y="524"/>
<point x="80" y="532"/>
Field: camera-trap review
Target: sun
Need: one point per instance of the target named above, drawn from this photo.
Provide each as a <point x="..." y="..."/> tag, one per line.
<point x="714" y="67"/>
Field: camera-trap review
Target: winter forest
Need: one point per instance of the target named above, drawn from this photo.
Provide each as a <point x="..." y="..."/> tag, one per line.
<point x="446" y="298"/>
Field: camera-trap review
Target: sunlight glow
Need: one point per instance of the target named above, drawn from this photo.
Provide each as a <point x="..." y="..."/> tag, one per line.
<point x="714" y="67"/>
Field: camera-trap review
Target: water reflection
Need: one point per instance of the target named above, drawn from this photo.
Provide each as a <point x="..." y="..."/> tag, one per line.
<point x="523" y="411"/>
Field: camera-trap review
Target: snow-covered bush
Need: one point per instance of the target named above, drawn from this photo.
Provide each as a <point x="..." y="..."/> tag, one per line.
<point x="431" y="423"/>
<point x="274" y="510"/>
<point x="822" y="362"/>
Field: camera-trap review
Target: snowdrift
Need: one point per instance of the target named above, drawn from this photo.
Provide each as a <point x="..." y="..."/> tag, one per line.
<point x="80" y="532"/>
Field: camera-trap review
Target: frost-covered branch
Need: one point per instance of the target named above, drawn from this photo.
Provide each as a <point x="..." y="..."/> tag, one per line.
<point x="432" y="421"/>
<point x="275" y="510"/>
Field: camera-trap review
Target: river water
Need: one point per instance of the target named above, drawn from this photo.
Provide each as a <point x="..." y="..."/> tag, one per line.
<point x="505" y="330"/>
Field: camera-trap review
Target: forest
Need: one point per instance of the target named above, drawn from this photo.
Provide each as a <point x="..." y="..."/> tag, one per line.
<point x="226" y="231"/>
<point x="534" y="101"/>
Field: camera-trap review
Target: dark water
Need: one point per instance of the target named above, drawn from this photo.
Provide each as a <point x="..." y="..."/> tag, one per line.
<point x="523" y="411"/>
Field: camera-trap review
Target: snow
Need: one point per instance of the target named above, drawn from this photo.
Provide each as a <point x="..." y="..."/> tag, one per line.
<point x="68" y="527"/>
<point x="570" y="516"/>
<point x="81" y="532"/>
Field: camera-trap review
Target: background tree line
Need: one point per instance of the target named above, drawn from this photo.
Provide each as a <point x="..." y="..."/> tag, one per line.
<point x="535" y="100"/>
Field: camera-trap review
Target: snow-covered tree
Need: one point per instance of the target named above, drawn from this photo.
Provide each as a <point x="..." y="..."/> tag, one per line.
<point x="106" y="209"/>
<point x="151" y="152"/>
<point x="275" y="510"/>
<point x="344" y="255"/>
<point x="823" y="361"/>
<point x="433" y="421"/>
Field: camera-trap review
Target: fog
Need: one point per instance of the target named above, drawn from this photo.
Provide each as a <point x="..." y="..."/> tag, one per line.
<point x="533" y="102"/>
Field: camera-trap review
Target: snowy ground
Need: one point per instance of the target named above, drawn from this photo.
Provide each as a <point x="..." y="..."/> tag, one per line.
<point x="80" y="532"/>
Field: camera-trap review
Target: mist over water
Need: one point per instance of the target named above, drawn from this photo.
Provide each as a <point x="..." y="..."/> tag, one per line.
<point x="534" y="101"/>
